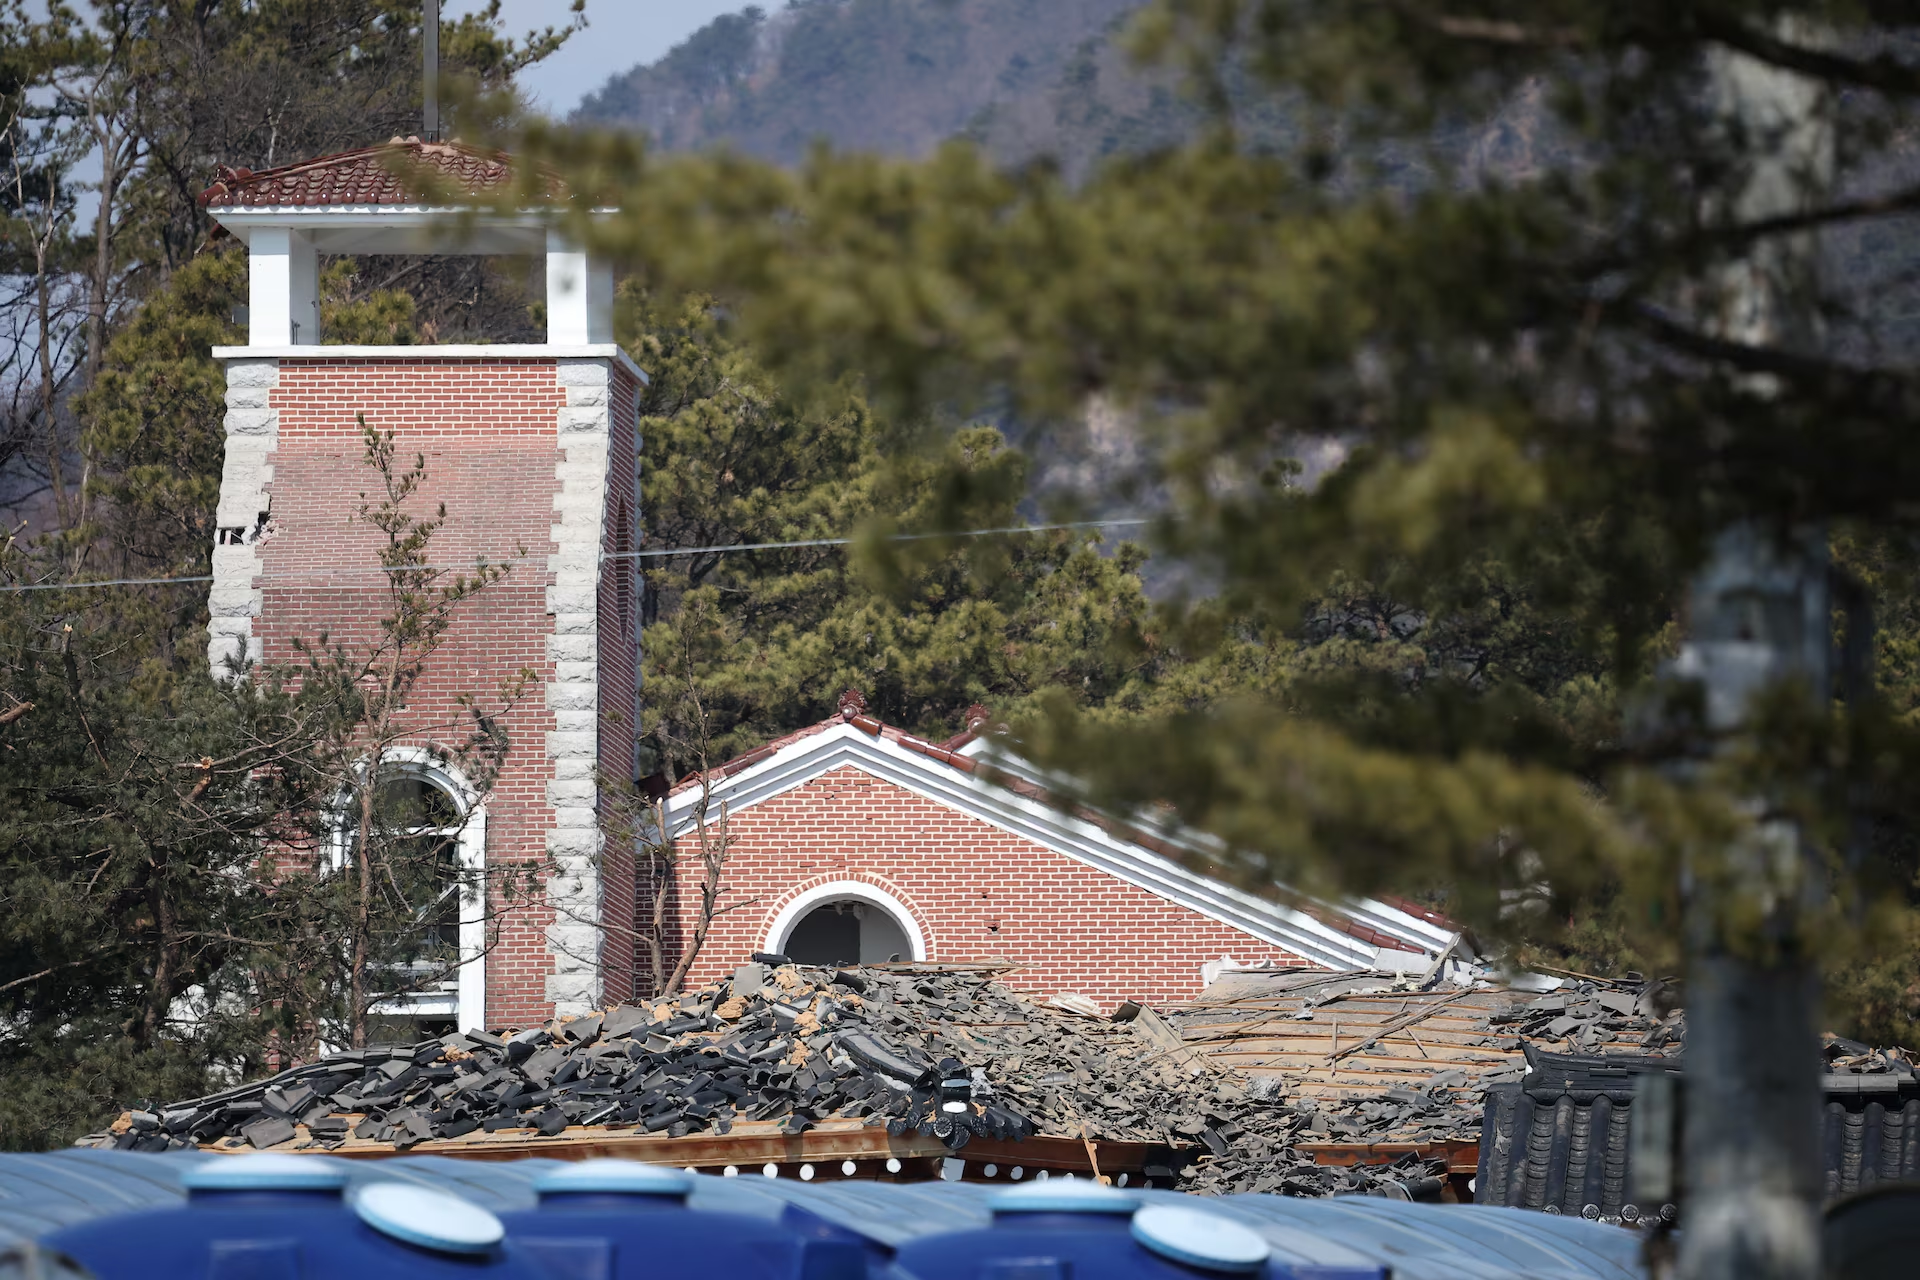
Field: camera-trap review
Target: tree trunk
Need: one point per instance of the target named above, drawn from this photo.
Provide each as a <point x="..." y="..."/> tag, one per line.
<point x="362" y="914"/>
<point x="166" y="969"/>
<point x="98" y="285"/>
<point x="43" y="299"/>
<point x="660" y="870"/>
<point x="1759" y="618"/>
<point x="714" y="844"/>
<point x="99" y="290"/>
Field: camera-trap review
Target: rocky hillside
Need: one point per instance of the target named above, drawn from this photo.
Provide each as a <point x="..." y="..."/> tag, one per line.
<point x="899" y="76"/>
<point x="1029" y="78"/>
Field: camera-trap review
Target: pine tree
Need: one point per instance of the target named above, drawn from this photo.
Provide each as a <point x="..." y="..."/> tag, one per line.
<point x="1568" y="288"/>
<point x="763" y="641"/>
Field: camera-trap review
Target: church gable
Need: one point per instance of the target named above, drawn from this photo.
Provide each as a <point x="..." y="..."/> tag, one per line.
<point x="855" y="860"/>
<point x="854" y="836"/>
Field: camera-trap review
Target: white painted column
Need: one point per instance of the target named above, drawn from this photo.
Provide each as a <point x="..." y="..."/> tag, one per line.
<point x="283" y="288"/>
<point x="579" y="295"/>
<point x="471" y="1004"/>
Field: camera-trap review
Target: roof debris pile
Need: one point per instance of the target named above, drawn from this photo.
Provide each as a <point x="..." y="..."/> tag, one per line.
<point x="1845" y="1058"/>
<point x="1260" y="1150"/>
<point x="1385" y="1061"/>
<point x="1247" y="1082"/>
<point x="1633" y="1016"/>
<point x="1871" y="1117"/>
<point x="772" y="1043"/>
<point x="1376" y="1060"/>
<point x="947" y="1052"/>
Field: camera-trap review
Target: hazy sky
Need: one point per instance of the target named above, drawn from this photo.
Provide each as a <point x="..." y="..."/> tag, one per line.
<point x="619" y="34"/>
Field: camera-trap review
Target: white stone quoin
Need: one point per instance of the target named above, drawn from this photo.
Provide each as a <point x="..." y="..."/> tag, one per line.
<point x="575" y="939"/>
<point x="241" y="519"/>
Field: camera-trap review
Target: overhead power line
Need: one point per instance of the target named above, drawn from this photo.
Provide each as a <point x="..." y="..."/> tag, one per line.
<point x="843" y="542"/>
<point x="104" y="582"/>
<point x="325" y="575"/>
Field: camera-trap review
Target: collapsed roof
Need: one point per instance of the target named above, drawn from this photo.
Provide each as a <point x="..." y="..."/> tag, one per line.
<point x="901" y="1057"/>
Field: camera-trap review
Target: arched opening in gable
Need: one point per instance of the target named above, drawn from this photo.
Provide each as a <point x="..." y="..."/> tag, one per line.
<point x="846" y="922"/>
<point x="848" y="932"/>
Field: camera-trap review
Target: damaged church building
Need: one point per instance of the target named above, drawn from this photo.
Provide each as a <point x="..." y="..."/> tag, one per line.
<point x="848" y="841"/>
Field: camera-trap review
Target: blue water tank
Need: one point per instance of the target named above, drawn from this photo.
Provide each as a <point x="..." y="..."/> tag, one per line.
<point x="620" y="1220"/>
<point x="75" y="1196"/>
<point x="1065" y="1229"/>
<point x="283" y="1217"/>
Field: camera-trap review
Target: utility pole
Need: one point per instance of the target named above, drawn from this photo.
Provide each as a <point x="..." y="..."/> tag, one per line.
<point x="1759" y="619"/>
<point x="430" y="58"/>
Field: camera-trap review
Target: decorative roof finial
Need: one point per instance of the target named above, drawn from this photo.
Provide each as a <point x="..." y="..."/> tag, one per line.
<point x="977" y="719"/>
<point x="852" y="703"/>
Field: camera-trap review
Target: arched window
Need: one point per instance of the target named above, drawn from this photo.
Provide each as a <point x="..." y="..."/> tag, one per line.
<point x="431" y="835"/>
<point x="422" y="819"/>
<point x="846" y="923"/>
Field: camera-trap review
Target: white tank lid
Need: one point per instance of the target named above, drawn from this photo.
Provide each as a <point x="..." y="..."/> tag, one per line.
<point x="269" y="1171"/>
<point x="1062" y="1195"/>
<point x="618" y="1177"/>
<point x="427" y="1218"/>
<point x="1199" y="1239"/>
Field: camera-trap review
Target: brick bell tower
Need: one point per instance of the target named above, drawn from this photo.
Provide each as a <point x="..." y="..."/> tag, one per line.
<point x="532" y="446"/>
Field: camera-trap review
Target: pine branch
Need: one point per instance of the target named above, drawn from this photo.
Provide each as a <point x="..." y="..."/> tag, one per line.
<point x="35" y="977"/>
<point x="1887" y="74"/>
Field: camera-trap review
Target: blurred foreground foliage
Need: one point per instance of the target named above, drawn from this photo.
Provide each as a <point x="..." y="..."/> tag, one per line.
<point x="1481" y="289"/>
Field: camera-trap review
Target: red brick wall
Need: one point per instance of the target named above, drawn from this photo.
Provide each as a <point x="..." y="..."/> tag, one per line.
<point x="1073" y="928"/>
<point x="488" y="433"/>
<point x="487" y="429"/>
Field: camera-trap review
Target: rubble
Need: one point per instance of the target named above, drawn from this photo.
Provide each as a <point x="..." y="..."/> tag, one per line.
<point x="1633" y="1015"/>
<point x="1260" y="1152"/>
<point x="919" y="1049"/>
<point x="1373" y="1058"/>
<point x="1853" y="1067"/>
<point x="789" y="1044"/>
<point x="1337" y="1059"/>
<point x="1383" y="1067"/>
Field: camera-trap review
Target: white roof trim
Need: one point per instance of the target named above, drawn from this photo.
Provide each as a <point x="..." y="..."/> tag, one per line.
<point x="807" y="758"/>
<point x="1370" y="912"/>
<point x="538" y="216"/>
<point x="404" y="228"/>
<point x="258" y="214"/>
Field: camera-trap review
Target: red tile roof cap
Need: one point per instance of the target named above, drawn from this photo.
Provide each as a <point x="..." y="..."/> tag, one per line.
<point x="393" y="173"/>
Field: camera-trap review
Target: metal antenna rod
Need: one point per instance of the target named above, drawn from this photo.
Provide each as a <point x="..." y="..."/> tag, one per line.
<point x="430" y="55"/>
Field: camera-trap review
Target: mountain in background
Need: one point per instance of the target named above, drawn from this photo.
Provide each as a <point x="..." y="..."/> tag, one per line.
<point x="1022" y="77"/>
<point x="1029" y="78"/>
